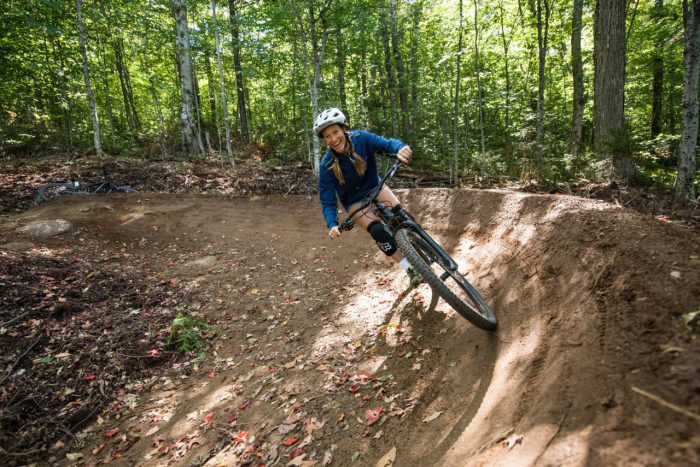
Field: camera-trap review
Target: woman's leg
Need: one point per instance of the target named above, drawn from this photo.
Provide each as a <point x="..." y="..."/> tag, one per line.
<point x="366" y="217"/>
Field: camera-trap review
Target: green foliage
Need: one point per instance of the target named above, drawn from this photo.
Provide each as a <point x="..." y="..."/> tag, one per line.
<point x="187" y="333"/>
<point x="43" y="103"/>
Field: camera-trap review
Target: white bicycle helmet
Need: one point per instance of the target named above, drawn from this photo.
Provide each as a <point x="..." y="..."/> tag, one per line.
<point x="328" y="117"/>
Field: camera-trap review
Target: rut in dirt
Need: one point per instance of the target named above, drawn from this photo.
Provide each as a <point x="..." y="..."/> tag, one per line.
<point x="589" y="298"/>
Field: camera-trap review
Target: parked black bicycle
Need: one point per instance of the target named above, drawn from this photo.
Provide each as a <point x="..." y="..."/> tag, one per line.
<point x="78" y="187"/>
<point x="436" y="267"/>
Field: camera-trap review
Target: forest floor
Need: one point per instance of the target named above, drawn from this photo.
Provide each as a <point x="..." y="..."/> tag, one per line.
<point x="316" y="352"/>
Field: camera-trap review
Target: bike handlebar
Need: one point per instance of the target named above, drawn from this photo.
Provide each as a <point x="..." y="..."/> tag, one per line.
<point x="349" y="223"/>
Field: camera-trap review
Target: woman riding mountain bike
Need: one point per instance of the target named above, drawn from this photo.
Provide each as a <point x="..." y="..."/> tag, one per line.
<point x="349" y="172"/>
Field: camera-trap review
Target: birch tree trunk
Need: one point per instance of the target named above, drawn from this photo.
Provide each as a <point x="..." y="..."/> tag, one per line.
<point x="454" y="167"/>
<point x="400" y="75"/>
<point x="506" y="63"/>
<point x="657" y="86"/>
<point x="340" y="55"/>
<point x="577" y="75"/>
<point x="192" y="139"/>
<point x="391" y="84"/>
<point x="86" y="75"/>
<point x="609" y="52"/>
<point x="417" y="9"/>
<point x="542" y="36"/>
<point x="479" y="93"/>
<point x="240" y="86"/>
<point x="687" y="161"/>
<point x="224" y="101"/>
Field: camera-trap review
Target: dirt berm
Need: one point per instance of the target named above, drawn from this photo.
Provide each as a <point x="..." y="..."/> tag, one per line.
<point x="322" y="353"/>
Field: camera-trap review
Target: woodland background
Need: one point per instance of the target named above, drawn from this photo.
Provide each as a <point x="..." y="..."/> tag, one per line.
<point x="544" y="91"/>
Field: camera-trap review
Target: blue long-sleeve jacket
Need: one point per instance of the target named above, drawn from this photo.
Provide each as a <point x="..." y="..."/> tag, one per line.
<point x="356" y="186"/>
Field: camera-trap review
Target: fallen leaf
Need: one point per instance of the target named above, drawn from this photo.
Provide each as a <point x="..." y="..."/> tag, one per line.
<point x="90" y="376"/>
<point x="312" y="424"/>
<point x="173" y="282"/>
<point x="379" y="434"/>
<point x="208" y="417"/>
<point x="285" y="428"/>
<point x="244" y="405"/>
<point x="111" y="433"/>
<point x="58" y="445"/>
<point x="371" y="416"/>
<point x="297" y="461"/>
<point x="152" y="431"/>
<point x="74" y="456"/>
<point x="154" y="352"/>
<point x="388" y="459"/>
<point x="241" y="437"/>
<point x="327" y="458"/>
<point x="512" y="440"/>
<point x="432" y="417"/>
<point x="291" y="440"/>
<point x="308" y="440"/>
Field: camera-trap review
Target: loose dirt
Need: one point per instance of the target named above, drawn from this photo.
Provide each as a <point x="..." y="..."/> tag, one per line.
<point x="322" y="356"/>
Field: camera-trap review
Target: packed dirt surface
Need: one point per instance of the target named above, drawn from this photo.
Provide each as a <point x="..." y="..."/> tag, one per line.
<point x="322" y="356"/>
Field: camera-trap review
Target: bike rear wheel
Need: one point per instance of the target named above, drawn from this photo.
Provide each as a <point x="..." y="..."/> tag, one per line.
<point x="454" y="289"/>
<point x="121" y="189"/>
<point x="55" y="189"/>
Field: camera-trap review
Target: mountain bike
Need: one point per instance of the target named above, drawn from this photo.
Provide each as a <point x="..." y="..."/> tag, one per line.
<point x="435" y="266"/>
<point x="77" y="187"/>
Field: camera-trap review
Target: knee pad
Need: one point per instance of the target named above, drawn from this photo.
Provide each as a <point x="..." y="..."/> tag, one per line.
<point x="380" y="233"/>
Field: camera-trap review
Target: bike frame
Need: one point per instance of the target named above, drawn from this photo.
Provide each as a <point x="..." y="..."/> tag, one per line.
<point x="396" y="219"/>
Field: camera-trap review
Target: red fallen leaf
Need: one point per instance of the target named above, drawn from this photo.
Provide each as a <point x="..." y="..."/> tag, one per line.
<point x="291" y="440"/>
<point x="232" y="418"/>
<point x="121" y="392"/>
<point x="294" y="408"/>
<point x="354" y="388"/>
<point x="117" y="455"/>
<point x="90" y="376"/>
<point x="154" y="352"/>
<point x="208" y="417"/>
<point x="173" y="282"/>
<point x="271" y="369"/>
<point x="371" y="416"/>
<point x="241" y="437"/>
<point x="296" y="452"/>
<point x="212" y="374"/>
<point x="251" y="449"/>
<point x="244" y="405"/>
<point x="111" y="433"/>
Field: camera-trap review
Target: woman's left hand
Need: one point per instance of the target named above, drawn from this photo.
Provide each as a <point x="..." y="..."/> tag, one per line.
<point x="404" y="154"/>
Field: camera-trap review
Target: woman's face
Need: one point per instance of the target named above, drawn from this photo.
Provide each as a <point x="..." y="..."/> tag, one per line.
<point x="334" y="136"/>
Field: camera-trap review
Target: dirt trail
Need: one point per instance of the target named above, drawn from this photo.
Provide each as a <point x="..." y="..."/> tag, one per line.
<point x="317" y="333"/>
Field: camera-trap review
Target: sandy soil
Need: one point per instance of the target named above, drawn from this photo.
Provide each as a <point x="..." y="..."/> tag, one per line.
<point x="324" y="358"/>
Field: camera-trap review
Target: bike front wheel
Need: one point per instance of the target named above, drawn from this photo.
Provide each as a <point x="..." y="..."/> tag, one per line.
<point x="454" y="289"/>
<point x="54" y="190"/>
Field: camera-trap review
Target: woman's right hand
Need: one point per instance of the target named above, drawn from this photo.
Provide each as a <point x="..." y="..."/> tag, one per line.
<point x="334" y="233"/>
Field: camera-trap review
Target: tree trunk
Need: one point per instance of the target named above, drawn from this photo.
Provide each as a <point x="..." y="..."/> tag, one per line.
<point x="400" y="75"/>
<point x="687" y="162"/>
<point x="609" y="87"/>
<point x="577" y="74"/>
<point x="477" y="70"/>
<point x="86" y="75"/>
<point x="454" y="167"/>
<point x="341" y="69"/>
<point x="391" y="84"/>
<point x="224" y="101"/>
<point x="240" y="86"/>
<point x="506" y="63"/>
<point x="417" y="9"/>
<point x="657" y="86"/>
<point x="542" y="37"/>
<point x="192" y="139"/>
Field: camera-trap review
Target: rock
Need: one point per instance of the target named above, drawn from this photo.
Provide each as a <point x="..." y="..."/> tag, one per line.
<point x="46" y="228"/>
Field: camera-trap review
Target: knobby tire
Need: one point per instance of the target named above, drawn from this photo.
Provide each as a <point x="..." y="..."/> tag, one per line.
<point x="55" y="189"/>
<point x="421" y="255"/>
